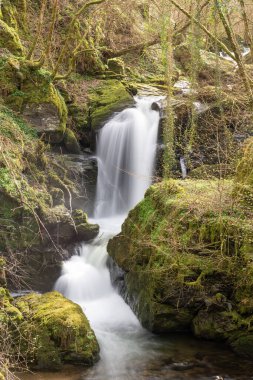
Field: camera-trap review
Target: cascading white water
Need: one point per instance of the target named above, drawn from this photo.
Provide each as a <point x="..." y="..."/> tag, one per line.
<point x="126" y="156"/>
<point x="183" y="167"/>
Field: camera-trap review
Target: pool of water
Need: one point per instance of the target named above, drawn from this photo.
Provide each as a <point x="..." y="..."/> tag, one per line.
<point x="176" y="357"/>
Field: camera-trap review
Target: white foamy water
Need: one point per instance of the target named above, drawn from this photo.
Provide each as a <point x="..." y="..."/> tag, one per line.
<point x="126" y="156"/>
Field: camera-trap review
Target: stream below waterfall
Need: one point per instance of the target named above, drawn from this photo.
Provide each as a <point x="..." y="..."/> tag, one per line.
<point x="126" y="153"/>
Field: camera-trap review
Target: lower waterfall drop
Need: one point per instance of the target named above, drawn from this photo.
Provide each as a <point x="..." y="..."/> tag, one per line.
<point x="126" y="158"/>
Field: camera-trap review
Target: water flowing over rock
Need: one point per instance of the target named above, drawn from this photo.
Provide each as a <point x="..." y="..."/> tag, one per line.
<point x="126" y="154"/>
<point x="126" y="158"/>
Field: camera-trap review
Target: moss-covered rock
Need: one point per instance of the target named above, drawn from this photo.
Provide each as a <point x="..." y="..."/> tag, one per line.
<point x="243" y="345"/>
<point x="70" y="142"/>
<point x="110" y="96"/>
<point x="51" y="331"/>
<point x="85" y="231"/>
<point x="185" y="250"/>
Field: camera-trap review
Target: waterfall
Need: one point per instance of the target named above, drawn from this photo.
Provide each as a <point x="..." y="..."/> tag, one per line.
<point x="126" y="155"/>
<point x="183" y="167"/>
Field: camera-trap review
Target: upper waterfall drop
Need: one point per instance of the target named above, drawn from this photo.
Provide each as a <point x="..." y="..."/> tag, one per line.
<point x="126" y="153"/>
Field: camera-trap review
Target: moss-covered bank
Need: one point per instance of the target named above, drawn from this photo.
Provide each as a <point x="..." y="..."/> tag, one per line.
<point x="186" y="251"/>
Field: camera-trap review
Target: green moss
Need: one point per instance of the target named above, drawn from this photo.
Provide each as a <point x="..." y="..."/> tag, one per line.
<point x="111" y="96"/>
<point x="116" y="65"/>
<point x="79" y="217"/>
<point x="60" y="331"/>
<point x="25" y="88"/>
<point x="70" y="142"/>
<point x="8" y="117"/>
<point x="85" y="230"/>
<point x="243" y="345"/>
<point x="23" y="187"/>
<point x="9" y="39"/>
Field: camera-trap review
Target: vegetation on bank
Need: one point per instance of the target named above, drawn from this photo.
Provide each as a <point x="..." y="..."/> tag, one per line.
<point x="189" y="261"/>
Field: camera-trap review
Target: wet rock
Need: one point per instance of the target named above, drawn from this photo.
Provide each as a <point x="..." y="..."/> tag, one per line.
<point x="155" y="107"/>
<point x="85" y="230"/>
<point x="182" y="366"/>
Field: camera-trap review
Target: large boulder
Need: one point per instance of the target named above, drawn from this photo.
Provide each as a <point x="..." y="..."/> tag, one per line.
<point x="186" y="256"/>
<point x="48" y="330"/>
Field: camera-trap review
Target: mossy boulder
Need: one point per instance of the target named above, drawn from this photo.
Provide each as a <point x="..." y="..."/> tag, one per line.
<point x="85" y="230"/>
<point x="64" y="227"/>
<point x="71" y="143"/>
<point x="184" y="251"/>
<point x="58" y="329"/>
<point x="109" y="97"/>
